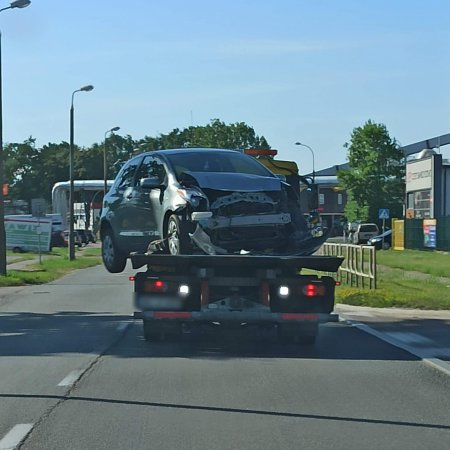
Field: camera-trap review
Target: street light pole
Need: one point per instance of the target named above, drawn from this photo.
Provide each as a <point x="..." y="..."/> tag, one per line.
<point x="312" y="153"/>
<point x="105" y="166"/>
<point x="87" y="88"/>
<point x="15" y="4"/>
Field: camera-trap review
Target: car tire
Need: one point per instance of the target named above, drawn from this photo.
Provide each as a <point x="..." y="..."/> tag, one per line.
<point x="113" y="259"/>
<point x="177" y="237"/>
<point x="386" y="246"/>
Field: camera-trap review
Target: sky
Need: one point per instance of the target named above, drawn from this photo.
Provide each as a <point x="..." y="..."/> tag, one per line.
<point x="294" y="70"/>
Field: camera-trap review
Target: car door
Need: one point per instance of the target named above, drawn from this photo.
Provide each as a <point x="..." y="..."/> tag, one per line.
<point x="120" y="204"/>
<point x="152" y="204"/>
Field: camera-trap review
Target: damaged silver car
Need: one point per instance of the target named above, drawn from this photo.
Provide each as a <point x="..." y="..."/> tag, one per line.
<point x="201" y="201"/>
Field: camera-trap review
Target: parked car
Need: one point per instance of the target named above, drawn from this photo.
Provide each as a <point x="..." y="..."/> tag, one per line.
<point x="91" y="236"/>
<point x="83" y="236"/>
<point x="363" y="232"/>
<point x="77" y="239"/>
<point x="57" y="239"/>
<point x="382" y="241"/>
<point x="196" y="200"/>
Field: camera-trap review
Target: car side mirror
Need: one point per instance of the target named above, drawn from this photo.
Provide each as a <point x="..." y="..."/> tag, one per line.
<point x="150" y="183"/>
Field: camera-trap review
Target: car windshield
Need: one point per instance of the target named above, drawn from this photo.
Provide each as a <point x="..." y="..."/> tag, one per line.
<point x="216" y="161"/>
<point x="368" y="228"/>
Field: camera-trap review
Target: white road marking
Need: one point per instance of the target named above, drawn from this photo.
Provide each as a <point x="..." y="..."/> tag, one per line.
<point x="425" y="354"/>
<point x="410" y="338"/>
<point x="71" y="378"/>
<point x="123" y="326"/>
<point x="444" y="366"/>
<point x="14" y="437"/>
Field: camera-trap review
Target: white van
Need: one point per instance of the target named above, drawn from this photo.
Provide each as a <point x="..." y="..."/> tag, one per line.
<point x="364" y="232"/>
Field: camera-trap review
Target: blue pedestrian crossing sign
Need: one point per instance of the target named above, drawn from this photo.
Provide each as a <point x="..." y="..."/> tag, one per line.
<point x="383" y="213"/>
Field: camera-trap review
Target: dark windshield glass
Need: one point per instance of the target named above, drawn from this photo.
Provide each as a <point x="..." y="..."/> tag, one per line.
<point x="216" y="161"/>
<point x="368" y="228"/>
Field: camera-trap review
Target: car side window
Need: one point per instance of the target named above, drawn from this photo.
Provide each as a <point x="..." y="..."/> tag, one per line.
<point x="152" y="167"/>
<point x="126" y="178"/>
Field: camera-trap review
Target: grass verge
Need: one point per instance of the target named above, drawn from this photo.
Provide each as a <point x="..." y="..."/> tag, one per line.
<point x="430" y="262"/>
<point x="54" y="265"/>
<point x="405" y="279"/>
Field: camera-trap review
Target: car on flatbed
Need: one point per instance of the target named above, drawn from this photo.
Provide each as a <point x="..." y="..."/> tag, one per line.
<point x="201" y="200"/>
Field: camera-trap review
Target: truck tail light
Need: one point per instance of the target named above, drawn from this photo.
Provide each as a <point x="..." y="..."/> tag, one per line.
<point x="183" y="290"/>
<point x="155" y="286"/>
<point x="313" y="290"/>
<point x="283" y="291"/>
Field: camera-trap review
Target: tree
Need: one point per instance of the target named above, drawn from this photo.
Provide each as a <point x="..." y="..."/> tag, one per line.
<point x="214" y="135"/>
<point x="376" y="176"/>
<point x="31" y="172"/>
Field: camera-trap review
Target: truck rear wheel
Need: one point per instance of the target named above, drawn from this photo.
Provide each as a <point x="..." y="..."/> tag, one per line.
<point x="155" y="332"/>
<point x="293" y="333"/>
<point x="150" y="333"/>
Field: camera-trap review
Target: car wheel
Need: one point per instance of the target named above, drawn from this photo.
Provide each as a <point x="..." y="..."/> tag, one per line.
<point x="177" y="237"/>
<point x="113" y="259"/>
<point x="386" y="246"/>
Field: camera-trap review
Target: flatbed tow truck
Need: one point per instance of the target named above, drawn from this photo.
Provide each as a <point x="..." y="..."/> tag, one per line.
<point x="176" y="292"/>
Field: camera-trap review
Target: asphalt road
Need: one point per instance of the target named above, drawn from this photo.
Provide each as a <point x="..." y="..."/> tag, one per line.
<point x="75" y="373"/>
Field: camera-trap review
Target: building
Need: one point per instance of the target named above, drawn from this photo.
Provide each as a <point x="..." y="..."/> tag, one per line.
<point x="332" y="199"/>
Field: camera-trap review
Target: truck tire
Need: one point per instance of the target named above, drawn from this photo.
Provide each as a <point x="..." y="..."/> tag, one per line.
<point x="304" y="335"/>
<point x="113" y="259"/>
<point x="155" y="333"/>
<point x="178" y="240"/>
<point x="150" y="334"/>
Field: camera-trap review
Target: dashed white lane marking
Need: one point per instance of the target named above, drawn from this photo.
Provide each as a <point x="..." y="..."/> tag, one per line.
<point x="71" y="378"/>
<point x="15" y="436"/>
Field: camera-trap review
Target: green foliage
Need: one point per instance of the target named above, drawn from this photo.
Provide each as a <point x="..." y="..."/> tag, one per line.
<point x="214" y="135"/>
<point x="406" y="279"/>
<point x="32" y="172"/>
<point x="376" y="176"/>
<point x="433" y="263"/>
<point x="51" y="268"/>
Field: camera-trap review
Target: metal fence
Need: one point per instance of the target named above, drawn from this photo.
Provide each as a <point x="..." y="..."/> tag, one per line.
<point x="409" y="233"/>
<point x="359" y="267"/>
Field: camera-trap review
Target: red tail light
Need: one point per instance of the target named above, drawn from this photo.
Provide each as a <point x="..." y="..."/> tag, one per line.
<point x="155" y="286"/>
<point x="131" y="278"/>
<point x="313" y="290"/>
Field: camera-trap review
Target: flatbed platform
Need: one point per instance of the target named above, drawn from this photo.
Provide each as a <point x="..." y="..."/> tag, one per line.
<point x="320" y="263"/>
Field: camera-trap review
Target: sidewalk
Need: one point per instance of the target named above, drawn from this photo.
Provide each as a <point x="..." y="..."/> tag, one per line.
<point x="425" y="333"/>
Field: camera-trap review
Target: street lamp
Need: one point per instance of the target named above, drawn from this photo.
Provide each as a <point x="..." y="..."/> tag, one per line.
<point x="87" y="88"/>
<point x="312" y="153"/>
<point x="15" y="4"/>
<point x="105" y="168"/>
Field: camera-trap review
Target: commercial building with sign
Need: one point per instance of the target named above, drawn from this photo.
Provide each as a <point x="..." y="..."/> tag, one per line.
<point x="427" y="186"/>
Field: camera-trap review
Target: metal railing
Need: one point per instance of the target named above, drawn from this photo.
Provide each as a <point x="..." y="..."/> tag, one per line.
<point x="359" y="267"/>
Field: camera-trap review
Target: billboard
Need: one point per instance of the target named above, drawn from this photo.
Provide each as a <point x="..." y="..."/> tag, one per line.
<point x="419" y="175"/>
<point x="28" y="233"/>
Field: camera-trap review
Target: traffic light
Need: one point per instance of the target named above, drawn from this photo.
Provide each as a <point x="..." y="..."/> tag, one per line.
<point x="5" y="189"/>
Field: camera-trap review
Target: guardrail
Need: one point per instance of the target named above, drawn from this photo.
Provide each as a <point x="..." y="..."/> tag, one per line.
<point x="359" y="265"/>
